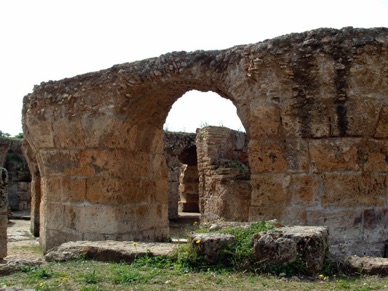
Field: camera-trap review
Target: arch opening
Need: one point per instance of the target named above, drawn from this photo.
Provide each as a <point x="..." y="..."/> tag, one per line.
<point x="196" y="109"/>
<point x="211" y="163"/>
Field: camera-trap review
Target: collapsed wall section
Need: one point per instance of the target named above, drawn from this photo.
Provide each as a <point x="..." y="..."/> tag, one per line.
<point x="224" y="176"/>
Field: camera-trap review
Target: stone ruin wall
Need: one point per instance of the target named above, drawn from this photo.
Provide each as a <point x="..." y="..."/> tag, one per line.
<point x="19" y="178"/>
<point x="175" y="144"/>
<point x="314" y="106"/>
<point x="3" y="212"/>
<point x="177" y="148"/>
<point x="224" y="176"/>
<point x="4" y="147"/>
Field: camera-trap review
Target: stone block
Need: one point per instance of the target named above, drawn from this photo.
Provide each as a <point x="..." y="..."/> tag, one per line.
<point x="53" y="186"/>
<point x="308" y="118"/>
<point x="334" y="154"/>
<point x="285" y="215"/>
<point x="340" y="250"/>
<point x="382" y="124"/>
<point x="308" y="244"/>
<point x="375" y="156"/>
<point x="270" y="190"/>
<point x="210" y="245"/>
<point x="305" y="190"/>
<point x="343" y="224"/>
<point x="274" y="248"/>
<point x="267" y="118"/>
<point x="353" y="190"/>
<point x="60" y="162"/>
<point x="104" y="190"/>
<point x="3" y="221"/>
<point x="279" y="156"/>
<point x="73" y="189"/>
<point x="312" y="244"/>
<point x="375" y="224"/>
<point x="361" y="117"/>
<point x="69" y="133"/>
<point x="105" y="133"/>
<point x="368" y="265"/>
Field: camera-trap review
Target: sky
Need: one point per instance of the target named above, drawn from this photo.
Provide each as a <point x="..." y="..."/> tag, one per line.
<point x="44" y="40"/>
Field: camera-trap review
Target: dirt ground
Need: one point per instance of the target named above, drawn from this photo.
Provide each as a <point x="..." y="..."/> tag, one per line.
<point x="22" y="245"/>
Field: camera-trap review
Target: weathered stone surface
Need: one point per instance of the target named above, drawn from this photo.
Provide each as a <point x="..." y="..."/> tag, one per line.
<point x="224" y="186"/>
<point x="3" y="212"/>
<point x="15" y="265"/>
<point x="4" y="147"/>
<point x="274" y="248"/>
<point x="287" y="244"/>
<point x="177" y="146"/>
<point x="108" y="251"/>
<point x="19" y="179"/>
<point x="311" y="243"/>
<point x="210" y="245"/>
<point x="368" y="265"/>
<point x="313" y="105"/>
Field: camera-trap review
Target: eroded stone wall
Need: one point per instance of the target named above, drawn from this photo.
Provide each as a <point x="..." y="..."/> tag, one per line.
<point x="3" y="212"/>
<point x="188" y="189"/>
<point x="314" y="106"/>
<point x="4" y="147"/>
<point x="19" y="179"/>
<point x="175" y="144"/>
<point x="224" y="177"/>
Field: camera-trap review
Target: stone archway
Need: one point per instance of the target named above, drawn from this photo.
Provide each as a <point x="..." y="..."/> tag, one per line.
<point x="314" y="105"/>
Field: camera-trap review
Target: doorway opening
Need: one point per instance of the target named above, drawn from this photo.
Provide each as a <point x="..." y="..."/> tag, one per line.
<point x="187" y="118"/>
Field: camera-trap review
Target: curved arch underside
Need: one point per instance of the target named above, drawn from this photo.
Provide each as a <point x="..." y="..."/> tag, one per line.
<point x="315" y="106"/>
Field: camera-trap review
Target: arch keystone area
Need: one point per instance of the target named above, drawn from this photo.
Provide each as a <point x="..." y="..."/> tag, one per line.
<point x="314" y="105"/>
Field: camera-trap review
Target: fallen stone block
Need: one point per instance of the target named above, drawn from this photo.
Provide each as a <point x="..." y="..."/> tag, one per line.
<point x="368" y="265"/>
<point x="107" y="251"/>
<point x="12" y="266"/>
<point x="307" y="244"/>
<point x="210" y="245"/>
<point x="274" y="248"/>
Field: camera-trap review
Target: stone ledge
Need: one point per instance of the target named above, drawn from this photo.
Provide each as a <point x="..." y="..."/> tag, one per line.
<point x="112" y="251"/>
<point x="368" y="265"/>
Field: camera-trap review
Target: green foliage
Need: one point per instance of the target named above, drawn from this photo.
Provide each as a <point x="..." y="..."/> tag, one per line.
<point x="241" y="253"/>
<point x="14" y="158"/>
<point x="91" y="277"/>
<point x="19" y="136"/>
<point x="38" y="272"/>
<point x="4" y="134"/>
<point x="157" y="273"/>
<point x="186" y="258"/>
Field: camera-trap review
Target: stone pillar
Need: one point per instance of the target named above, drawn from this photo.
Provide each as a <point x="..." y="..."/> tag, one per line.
<point x="173" y="191"/>
<point x="224" y="185"/>
<point x="3" y="212"/>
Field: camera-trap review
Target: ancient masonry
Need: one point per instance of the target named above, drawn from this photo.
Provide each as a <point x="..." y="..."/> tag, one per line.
<point x="19" y="178"/>
<point x="224" y="177"/>
<point x="179" y="151"/>
<point x="315" y="108"/>
<point x="3" y="212"/>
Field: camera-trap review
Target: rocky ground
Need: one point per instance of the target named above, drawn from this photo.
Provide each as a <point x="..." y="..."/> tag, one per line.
<point x="23" y="246"/>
